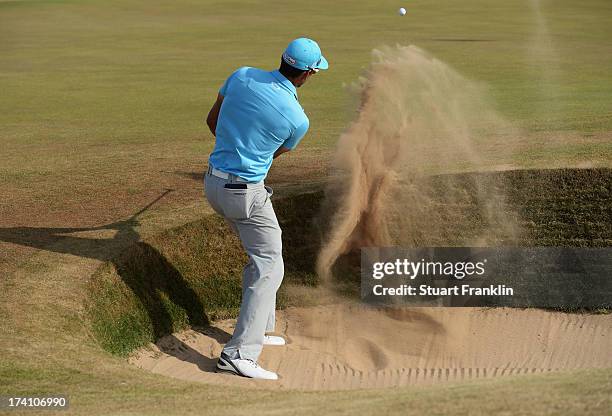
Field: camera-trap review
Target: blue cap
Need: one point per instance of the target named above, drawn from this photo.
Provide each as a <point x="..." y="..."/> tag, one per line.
<point x="304" y="54"/>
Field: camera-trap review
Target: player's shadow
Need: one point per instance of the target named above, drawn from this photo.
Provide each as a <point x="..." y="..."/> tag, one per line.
<point x="171" y="345"/>
<point x="196" y="176"/>
<point x="149" y="275"/>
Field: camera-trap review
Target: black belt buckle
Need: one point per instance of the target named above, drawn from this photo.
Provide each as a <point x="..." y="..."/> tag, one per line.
<point x="235" y="186"/>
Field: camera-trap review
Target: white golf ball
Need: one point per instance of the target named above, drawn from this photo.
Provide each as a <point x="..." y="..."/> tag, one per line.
<point x="401" y="11"/>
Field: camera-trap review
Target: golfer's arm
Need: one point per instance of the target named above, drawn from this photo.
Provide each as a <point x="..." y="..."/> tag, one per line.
<point x="213" y="115"/>
<point x="280" y="151"/>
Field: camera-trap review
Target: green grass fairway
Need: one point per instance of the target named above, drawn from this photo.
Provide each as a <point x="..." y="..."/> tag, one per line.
<point x="102" y="112"/>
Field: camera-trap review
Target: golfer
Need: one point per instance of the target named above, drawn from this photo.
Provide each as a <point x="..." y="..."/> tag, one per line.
<point x="256" y="118"/>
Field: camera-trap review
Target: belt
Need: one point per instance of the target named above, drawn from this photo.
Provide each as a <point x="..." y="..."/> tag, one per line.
<point x="224" y="175"/>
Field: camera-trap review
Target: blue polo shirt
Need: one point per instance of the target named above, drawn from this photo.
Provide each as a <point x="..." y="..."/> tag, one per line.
<point x="260" y="113"/>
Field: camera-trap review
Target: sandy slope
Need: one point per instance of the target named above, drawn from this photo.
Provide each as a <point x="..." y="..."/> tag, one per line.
<point x="353" y="346"/>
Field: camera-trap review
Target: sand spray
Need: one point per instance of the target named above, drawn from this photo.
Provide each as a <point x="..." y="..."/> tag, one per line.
<point x="418" y="118"/>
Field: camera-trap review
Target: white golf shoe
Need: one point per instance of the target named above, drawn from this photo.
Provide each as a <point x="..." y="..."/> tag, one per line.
<point x="244" y="368"/>
<point x="273" y="340"/>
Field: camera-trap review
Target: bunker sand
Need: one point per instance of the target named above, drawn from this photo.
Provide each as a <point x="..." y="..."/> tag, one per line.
<point x="350" y="346"/>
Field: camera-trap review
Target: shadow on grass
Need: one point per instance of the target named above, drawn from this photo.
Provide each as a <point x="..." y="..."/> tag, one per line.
<point x="196" y="176"/>
<point x="161" y="288"/>
<point x="162" y="293"/>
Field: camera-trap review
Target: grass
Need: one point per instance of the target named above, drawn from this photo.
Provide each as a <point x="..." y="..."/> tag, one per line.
<point x="578" y="393"/>
<point x="101" y="111"/>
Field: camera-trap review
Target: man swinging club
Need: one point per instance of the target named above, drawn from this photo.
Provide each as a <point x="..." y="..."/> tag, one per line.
<point x="256" y="118"/>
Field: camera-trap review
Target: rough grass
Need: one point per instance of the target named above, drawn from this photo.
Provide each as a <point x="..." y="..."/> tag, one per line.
<point x="185" y="276"/>
<point x="553" y="207"/>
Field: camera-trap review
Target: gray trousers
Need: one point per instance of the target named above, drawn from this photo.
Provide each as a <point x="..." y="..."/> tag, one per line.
<point x="248" y="209"/>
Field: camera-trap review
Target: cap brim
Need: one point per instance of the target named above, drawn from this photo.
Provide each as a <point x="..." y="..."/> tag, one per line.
<point x="323" y="64"/>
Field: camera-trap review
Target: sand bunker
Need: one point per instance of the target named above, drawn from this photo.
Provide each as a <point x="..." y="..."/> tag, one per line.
<point x="342" y="347"/>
